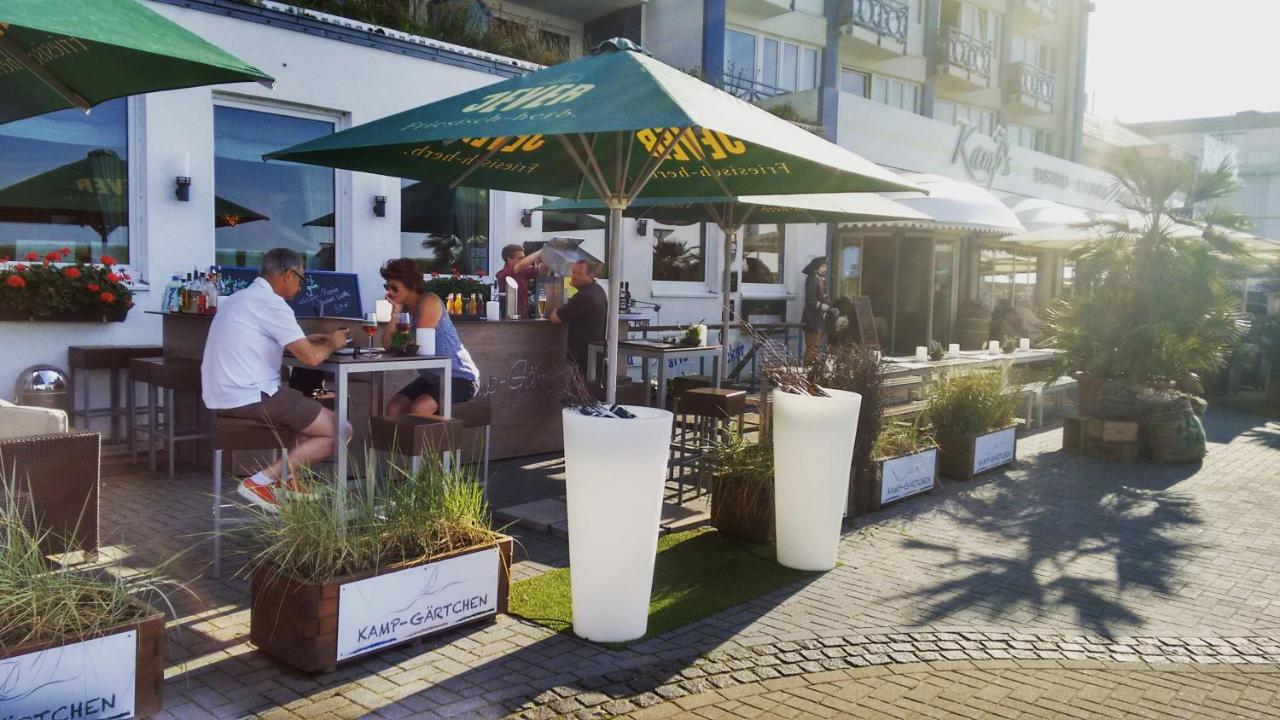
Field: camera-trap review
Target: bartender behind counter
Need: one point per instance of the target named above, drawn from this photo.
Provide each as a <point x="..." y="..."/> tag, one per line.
<point x="586" y="313"/>
<point x="524" y="269"/>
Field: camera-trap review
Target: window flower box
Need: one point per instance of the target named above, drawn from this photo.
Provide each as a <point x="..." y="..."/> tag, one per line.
<point x="42" y="289"/>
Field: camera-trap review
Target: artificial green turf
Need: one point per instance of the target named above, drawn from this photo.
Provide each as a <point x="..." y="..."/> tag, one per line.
<point x="697" y="573"/>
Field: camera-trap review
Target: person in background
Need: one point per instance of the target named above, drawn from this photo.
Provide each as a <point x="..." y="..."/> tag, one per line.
<point x="586" y="313"/>
<point x="817" y="306"/>
<point x="524" y="269"/>
<point x="240" y="371"/>
<point x="407" y="292"/>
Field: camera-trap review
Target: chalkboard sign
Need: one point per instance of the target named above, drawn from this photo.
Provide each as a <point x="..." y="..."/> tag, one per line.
<point x="324" y="294"/>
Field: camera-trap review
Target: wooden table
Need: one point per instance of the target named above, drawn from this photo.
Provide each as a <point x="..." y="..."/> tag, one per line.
<point x="661" y="352"/>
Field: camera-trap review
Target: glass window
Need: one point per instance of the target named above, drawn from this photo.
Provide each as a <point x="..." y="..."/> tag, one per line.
<point x="854" y="82"/>
<point x="64" y="182"/>
<point x="740" y="56"/>
<point x="901" y="94"/>
<point x="264" y="205"/>
<point x="790" y="62"/>
<point x="808" y="68"/>
<point x="880" y="90"/>
<point x="762" y="254"/>
<point x="444" y="229"/>
<point x="769" y="64"/>
<point x="678" y="252"/>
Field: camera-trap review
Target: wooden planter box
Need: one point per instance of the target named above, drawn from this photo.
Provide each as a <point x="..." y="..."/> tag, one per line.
<point x="964" y="456"/>
<point x="902" y="476"/>
<point x="316" y="626"/>
<point x="49" y="683"/>
<point x="732" y="515"/>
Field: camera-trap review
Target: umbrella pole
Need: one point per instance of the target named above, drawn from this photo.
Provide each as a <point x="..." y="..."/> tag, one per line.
<point x="726" y="297"/>
<point x="615" y="295"/>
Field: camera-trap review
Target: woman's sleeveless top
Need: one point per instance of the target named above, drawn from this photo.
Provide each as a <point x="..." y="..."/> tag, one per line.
<point x="449" y="344"/>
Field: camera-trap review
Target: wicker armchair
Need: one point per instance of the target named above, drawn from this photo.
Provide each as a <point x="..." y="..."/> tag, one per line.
<point x="56" y="476"/>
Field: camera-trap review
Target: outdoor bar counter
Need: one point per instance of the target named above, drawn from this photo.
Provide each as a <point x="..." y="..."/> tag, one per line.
<point x="518" y="360"/>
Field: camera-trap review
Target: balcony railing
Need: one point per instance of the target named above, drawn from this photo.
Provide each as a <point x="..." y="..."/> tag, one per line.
<point x="1034" y="82"/>
<point x="750" y="90"/>
<point x="887" y="18"/>
<point x="966" y="52"/>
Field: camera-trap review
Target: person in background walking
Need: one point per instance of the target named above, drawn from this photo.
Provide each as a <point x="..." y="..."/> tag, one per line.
<point x="817" y="305"/>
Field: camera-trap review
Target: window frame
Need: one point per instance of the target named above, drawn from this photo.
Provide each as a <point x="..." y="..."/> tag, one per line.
<point x="782" y="44"/>
<point x="343" y="252"/>
<point x="780" y="289"/>
<point x="684" y="288"/>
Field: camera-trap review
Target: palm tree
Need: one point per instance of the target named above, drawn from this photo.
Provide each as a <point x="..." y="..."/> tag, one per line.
<point x="674" y="259"/>
<point x="1154" y="296"/>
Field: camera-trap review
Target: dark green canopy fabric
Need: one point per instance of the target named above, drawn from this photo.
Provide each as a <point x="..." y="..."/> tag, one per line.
<point x="56" y="54"/>
<point x="620" y="111"/>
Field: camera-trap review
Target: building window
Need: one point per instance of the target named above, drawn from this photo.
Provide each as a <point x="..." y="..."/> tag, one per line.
<point x="64" y="182"/>
<point x="678" y="252"/>
<point x="901" y="94"/>
<point x="759" y="66"/>
<point x="1033" y="52"/>
<point x="264" y="205"/>
<point x="591" y="230"/>
<point x="763" y="254"/>
<point x="960" y="114"/>
<point x="1043" y="141"/>
<point x="855" y="82"/>
<point x="443" y="229"/>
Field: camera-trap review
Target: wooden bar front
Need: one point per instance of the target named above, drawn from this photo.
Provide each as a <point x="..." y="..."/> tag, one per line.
<point x="519" y="362"/>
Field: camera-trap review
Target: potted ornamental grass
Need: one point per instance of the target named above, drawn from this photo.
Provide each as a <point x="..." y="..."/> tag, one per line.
<point x="73" y="643"/>
<point x="615" y="460"/>
<point x="413" y="555"/>
<point x="742" y="488"/>
<point x="906" y="460"/>
<point x="41" y="288"/>
<point x="971" y="416"/>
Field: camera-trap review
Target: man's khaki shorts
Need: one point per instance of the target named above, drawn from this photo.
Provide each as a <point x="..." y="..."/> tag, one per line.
<point x="288" y="408"/>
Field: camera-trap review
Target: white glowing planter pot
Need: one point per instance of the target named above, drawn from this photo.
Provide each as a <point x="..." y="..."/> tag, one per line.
<point x="812" y="455"/>
<point x="614" y="471"/>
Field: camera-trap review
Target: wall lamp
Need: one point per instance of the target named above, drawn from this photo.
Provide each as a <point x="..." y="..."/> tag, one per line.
<point x="642" y="227"/>
<point x="182" y="183"/>
<point x="526" y="218"/>
<point x="380" y="205"/>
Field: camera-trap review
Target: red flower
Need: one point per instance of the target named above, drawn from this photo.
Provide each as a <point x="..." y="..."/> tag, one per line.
<point x="112" y="277"/>
<point x="126" y="276"/>
<point x="107" y="297"/>
<point x="15" y="281"/>
<point x="71" y="272"/>
<point x="107" y="260"/>
<point x="31" y="256"/>
<point x="64" y="250"/>
<point x="435" y="274"/>
<point x="4" y="258"/>
<point x="480" y="273"/>
<point x="19" y="267"/>
<point x="93" y="287"/>
<point x="456" y="273"/>
<point x="52" y="257"/>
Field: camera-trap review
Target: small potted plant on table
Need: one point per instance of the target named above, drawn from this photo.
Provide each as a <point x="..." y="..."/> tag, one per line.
<point x="906" y="462"/>
<point x="410" y="557"/>
<point x="972" y="420"/>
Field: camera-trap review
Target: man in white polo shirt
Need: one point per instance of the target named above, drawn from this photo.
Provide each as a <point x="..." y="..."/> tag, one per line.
<point x="240" y="372"/>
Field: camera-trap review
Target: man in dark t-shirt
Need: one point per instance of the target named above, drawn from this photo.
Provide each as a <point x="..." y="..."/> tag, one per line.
<point x="586" y="313"/>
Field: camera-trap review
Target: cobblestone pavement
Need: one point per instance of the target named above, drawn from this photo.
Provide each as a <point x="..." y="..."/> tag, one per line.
<point x="1059" y="559"/>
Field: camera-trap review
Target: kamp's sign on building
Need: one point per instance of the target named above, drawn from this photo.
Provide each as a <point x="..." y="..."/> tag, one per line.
<point x="389" y="609"/>
<point x="91" y="680"/>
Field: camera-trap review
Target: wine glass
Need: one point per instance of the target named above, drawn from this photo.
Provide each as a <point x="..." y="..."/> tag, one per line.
<point x="370" y="326"/>
<point x="403" y="322"/>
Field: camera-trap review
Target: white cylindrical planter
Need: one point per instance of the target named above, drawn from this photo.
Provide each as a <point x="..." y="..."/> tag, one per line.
<point x="813" y="441"/>
<point x="614" y="472"/>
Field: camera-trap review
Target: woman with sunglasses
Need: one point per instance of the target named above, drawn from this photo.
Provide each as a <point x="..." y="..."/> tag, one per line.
<point x="407" y="293"/>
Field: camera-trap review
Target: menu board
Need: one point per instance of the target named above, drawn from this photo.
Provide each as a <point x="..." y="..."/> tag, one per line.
<point x="324" y="294"/>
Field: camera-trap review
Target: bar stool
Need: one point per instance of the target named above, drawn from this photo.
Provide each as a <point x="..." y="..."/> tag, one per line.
<point x="475" y="414"/>
<point x="171" y="376"/>
<point x="229" y="435"/>
<point x="704" y="416"/>
<point x="82" y="360"/>
<point x="412" y="436"/>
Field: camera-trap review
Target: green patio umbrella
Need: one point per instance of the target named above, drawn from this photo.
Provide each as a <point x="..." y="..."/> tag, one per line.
<point x="730" y="214"/>
<point x="91" y="192"/>
<point x="56" y="54"/>
<point x="614" y="125"/>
